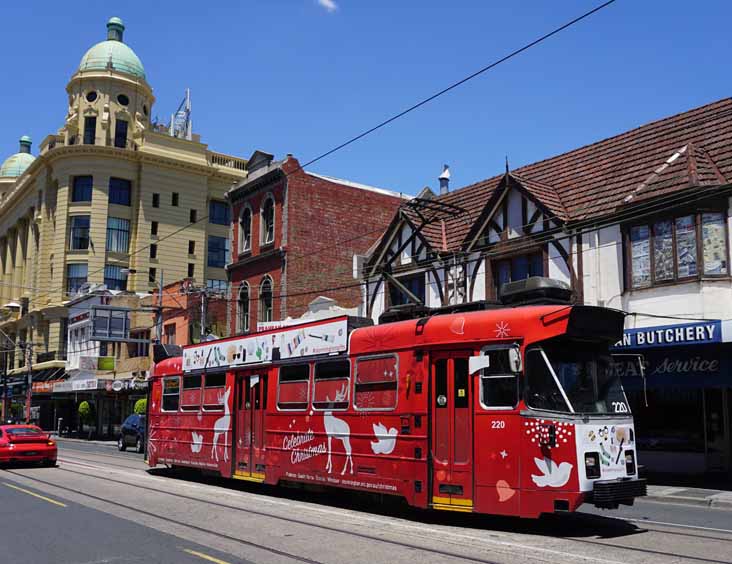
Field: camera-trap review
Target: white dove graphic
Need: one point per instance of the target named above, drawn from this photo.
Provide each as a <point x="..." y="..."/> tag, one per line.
<point x="197" y="443"/>
<point x="551" y="475"/>
<point x="385" y="440"/>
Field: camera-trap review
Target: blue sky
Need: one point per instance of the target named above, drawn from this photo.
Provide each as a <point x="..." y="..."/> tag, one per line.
<point x="300" y="76"/>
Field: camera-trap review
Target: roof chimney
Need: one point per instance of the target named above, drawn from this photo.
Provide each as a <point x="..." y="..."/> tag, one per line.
<point x="444" y="179"/>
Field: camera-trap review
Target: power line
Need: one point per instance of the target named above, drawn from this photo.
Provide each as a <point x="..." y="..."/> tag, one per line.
<point x="460" y="82"/>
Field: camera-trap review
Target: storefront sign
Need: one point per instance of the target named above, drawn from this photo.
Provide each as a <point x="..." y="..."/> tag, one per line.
<point x="303" y="341"/>
<point x="76" y="385"/>
<point x="704" y="332"/>
<point x="691" y="367"/>
<point x="44" y="387"/>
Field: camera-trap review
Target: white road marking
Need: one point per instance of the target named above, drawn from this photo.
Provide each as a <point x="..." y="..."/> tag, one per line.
<point x="698" y="527"/>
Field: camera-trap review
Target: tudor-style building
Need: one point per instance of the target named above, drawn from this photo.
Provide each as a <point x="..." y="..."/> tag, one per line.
<point x="639" y="222"/>
<point x="294" y="234"/>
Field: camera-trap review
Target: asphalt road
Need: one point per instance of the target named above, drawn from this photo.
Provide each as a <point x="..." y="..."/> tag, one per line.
<point x="115" y="510"/>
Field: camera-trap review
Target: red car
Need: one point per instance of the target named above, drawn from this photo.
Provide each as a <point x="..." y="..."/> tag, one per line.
<point x="26" y="443"/>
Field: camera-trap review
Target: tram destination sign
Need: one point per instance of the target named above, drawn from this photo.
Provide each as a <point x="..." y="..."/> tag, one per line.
<point x="700" y="333"/>
<point x="295" y="342"/>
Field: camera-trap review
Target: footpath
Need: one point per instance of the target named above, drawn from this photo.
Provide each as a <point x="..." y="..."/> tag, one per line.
<point x="697" y="496"/>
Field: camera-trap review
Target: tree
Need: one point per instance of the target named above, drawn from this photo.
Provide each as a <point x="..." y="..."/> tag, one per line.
<point x="141" y="406"/>
<point x="86" y="412"/>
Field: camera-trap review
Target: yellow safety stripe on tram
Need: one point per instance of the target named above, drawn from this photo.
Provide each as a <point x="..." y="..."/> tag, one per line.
<point x="249" y="477"/>
<point x="449" y="504"/>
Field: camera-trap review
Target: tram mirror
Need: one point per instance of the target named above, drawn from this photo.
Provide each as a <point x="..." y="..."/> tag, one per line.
<point x="476" y="363"/>
<point x="514" y="358"/>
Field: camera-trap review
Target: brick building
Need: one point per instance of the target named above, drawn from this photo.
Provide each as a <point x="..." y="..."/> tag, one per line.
<point x="294" y="235"/>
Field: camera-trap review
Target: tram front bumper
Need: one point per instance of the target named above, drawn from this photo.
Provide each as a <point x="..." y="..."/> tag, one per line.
<point x="609" y="494"/>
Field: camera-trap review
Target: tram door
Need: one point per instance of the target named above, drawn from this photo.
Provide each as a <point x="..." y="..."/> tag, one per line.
<point x="249" y="442"/>
<point x="452" y="432"/>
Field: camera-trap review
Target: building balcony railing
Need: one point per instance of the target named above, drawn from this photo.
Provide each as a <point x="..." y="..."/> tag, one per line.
<point x="50" y="355"/>
<point x="220" y="159"/>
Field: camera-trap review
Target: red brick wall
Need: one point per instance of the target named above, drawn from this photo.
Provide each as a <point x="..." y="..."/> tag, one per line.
<point x="324" y="221"/>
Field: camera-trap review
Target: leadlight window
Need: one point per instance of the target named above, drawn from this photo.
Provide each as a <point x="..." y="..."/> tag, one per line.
<point x="676" y="249"/>
<point x="517" y="268"/>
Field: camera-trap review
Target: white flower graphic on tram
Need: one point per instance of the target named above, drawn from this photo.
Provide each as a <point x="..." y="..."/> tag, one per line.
<point x="196" y="443"/>
<point x="385" y="440"/>
<point x="551" y="475"/>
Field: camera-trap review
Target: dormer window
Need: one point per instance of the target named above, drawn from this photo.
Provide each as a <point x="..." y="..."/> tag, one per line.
<point x="268" y="220"/>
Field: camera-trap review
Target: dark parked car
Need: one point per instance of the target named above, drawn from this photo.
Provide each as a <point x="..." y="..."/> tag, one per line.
<point x="132" y="433"/>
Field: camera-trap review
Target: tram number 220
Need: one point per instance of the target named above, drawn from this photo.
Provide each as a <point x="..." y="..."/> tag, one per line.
<point x="499" y="424"/>
<point x="620" y="407"/>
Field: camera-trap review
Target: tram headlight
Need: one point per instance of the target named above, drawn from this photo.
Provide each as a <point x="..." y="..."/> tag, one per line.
<point x="592" y="465"/>
<point x="629" y="462"/>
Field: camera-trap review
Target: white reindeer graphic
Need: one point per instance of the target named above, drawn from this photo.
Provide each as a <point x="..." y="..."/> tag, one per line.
<point x="339" y="429"/>
<point x="221" y="427"/>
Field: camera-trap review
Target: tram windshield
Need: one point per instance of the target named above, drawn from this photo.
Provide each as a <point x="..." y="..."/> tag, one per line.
<point x="574" y="376"/>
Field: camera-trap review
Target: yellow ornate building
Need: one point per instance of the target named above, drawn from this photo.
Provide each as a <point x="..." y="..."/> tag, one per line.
<point x="111" y="198"/>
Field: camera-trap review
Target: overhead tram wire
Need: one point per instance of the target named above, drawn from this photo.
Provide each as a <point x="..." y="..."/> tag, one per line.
<point x="541" y="237"/>
<point x="403" y="112"/>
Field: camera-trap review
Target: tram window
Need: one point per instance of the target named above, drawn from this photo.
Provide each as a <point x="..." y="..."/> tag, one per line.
<point x="190" y="397"/>
<point x="191" y="382"/>
<point x="215" y="380"/>
<point x="376" y="383"/>
<point x="441" y="383"/>
<point x="171" y="393"/>
<point x="213" y="395"/>
<point x="461" y="382"/>
<point x="499" y="391"/>
<point x="293" y="387"/>
<point x="330" y="390"/>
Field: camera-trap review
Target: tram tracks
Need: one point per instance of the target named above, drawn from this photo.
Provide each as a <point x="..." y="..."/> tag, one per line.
<point x="457" y="538"/>
<point x="411" y="546"/>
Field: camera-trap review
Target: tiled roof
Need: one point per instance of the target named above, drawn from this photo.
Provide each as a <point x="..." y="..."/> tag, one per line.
<point x="597" y="179"/>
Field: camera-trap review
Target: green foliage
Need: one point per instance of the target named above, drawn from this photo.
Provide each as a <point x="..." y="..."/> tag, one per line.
<point x="86" y="412"/>
<point x="141" y="406"/>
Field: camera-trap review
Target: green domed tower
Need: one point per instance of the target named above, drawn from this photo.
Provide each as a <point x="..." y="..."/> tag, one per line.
<point x="16" y="164"/>
<point x="110" y="101"/>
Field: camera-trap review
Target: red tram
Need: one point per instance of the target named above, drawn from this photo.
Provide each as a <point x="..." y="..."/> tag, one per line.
<point x="510" y="410"/>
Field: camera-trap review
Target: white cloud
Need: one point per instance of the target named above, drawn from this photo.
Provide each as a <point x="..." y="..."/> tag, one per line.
<point x="329" y="5"/>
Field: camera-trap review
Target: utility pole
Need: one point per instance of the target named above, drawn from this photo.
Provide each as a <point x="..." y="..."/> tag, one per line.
<point x="204" y="299"/>
<point x="159" y="312"/>
<point x="29" y="391"/>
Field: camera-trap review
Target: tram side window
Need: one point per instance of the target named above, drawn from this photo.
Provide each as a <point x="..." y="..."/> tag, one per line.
<point x="190" y="397"/>
<point x="213" y="391"/>
<point x="293" y="387"/>
<point x="171" y="394"/>
<point x="376" y="383"/>
<point x="499" y="386"/>
<point x="331" y="385"/>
